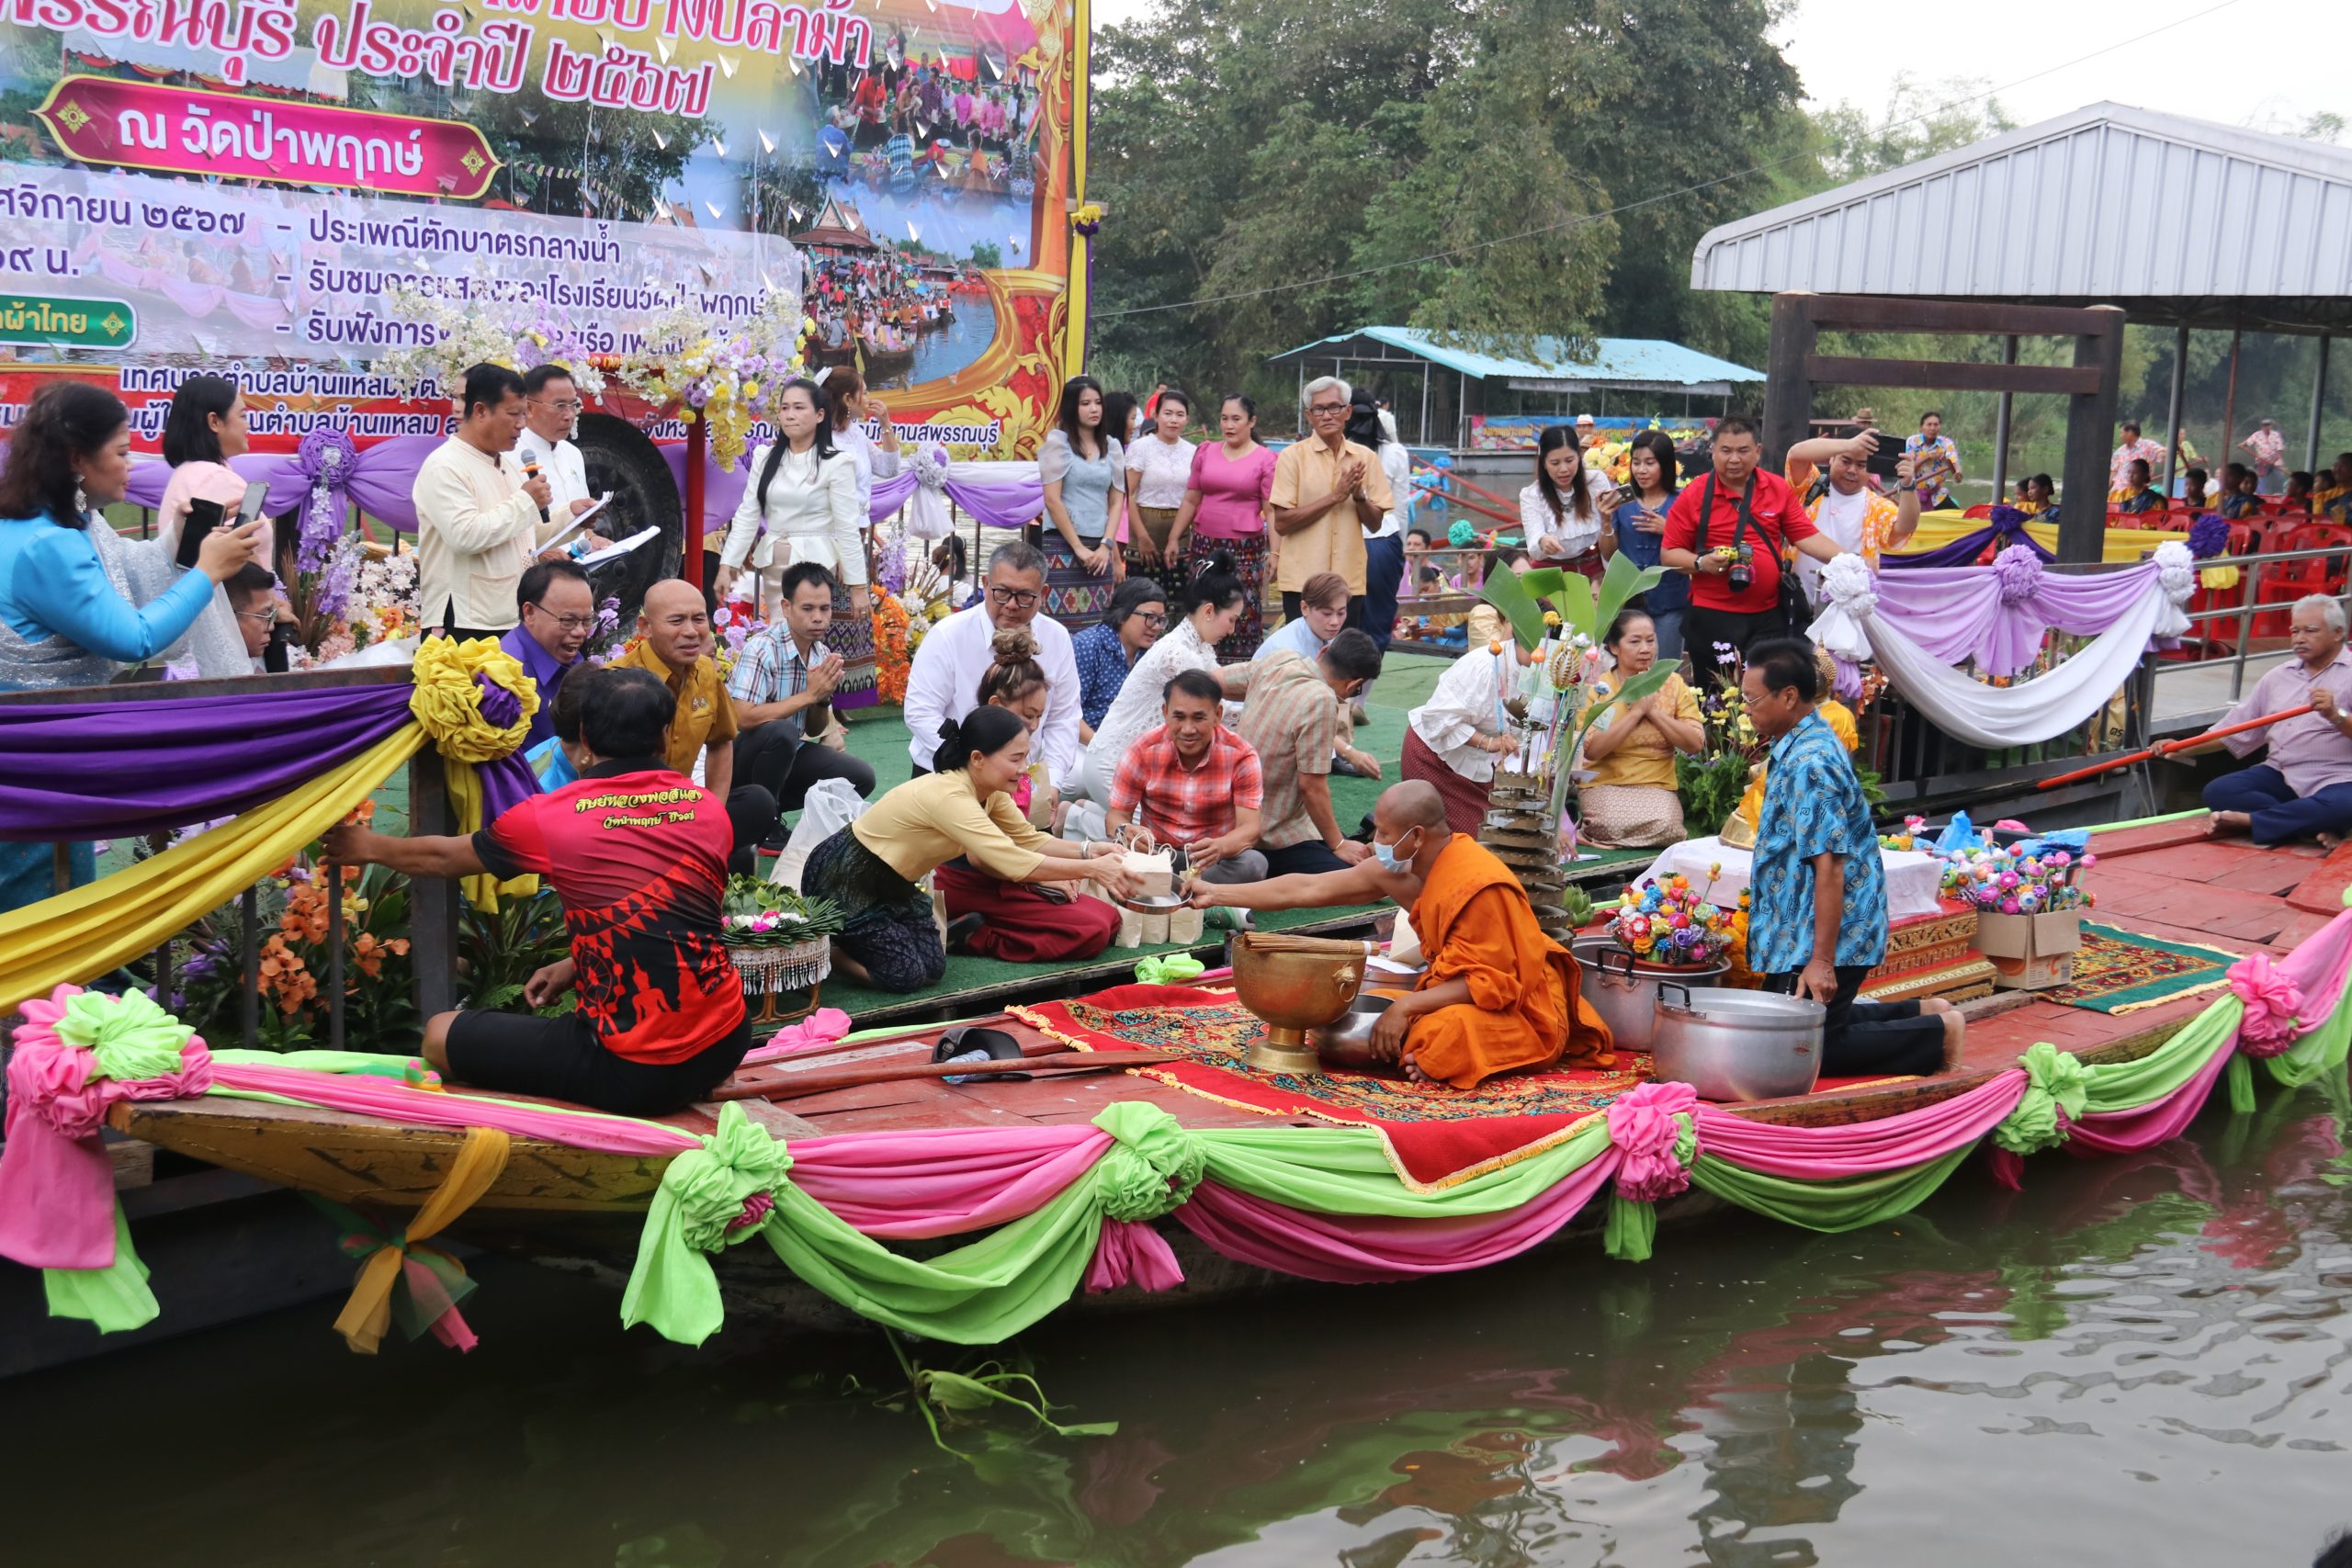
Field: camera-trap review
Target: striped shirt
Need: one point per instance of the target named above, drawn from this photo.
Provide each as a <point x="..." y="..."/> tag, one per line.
<point x="1291" y="721"/>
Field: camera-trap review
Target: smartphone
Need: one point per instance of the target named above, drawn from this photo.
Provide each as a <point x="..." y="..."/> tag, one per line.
<point x="256" y="497"/>
<point x="203" y="516"/>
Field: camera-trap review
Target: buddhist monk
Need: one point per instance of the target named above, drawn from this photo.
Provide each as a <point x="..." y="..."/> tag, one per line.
<point x="1499" y="995"/>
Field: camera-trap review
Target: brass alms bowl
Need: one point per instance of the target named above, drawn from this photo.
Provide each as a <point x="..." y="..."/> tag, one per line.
<point x="1294" y="984"/>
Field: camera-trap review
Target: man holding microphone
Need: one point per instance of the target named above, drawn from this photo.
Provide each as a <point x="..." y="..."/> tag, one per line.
<point x="479" y="519"/>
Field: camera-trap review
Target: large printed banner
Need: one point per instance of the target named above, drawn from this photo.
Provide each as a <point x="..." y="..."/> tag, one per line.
<point x="242" y="184"/>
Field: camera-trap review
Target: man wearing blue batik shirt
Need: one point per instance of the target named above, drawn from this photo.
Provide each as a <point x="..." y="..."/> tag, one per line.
<point x="1816" y="918"/>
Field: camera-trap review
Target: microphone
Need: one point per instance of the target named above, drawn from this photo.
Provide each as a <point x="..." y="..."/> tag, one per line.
<point x="531" y="471"/>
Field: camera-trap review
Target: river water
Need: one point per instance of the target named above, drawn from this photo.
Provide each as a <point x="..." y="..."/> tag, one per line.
<point x="2135" y="1362"/>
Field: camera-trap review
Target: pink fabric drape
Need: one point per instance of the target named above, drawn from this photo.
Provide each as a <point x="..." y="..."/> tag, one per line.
<point x="56" y="1183"/>
<point x="1363" y="1249"/>
<point x="1828" y="1154"/>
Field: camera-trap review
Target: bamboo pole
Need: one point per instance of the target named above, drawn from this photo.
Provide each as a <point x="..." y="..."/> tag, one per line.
<point x="2166" y="748"/>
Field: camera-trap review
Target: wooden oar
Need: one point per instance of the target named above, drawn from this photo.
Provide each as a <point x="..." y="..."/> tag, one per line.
<point x="2166" y="748"/>
<point x="1061" y="1064"/>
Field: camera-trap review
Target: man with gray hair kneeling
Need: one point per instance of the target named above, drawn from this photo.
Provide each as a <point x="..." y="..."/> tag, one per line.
<point x="2304" y="788"/>
<point x="943" y="684"/>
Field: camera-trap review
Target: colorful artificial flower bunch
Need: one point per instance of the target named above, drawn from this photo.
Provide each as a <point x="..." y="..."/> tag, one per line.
<point x="1669" y="922"/>
<point x="2001" y="882"/>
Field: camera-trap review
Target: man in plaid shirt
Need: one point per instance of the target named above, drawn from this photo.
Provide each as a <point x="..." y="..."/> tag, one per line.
<point x="780" y="686"/>
<point x="1195" y="782"/>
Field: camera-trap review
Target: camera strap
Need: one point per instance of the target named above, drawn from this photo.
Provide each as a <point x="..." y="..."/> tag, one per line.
<point x="1707" y="510"/>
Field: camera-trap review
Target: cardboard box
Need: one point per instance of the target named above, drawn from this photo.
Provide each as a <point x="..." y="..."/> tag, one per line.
<point x="2031" y="952"/>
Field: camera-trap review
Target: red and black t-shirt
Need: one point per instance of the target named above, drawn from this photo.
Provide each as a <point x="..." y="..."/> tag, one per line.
<point x="1776" y="519"/>
<point x="638" y="855"/>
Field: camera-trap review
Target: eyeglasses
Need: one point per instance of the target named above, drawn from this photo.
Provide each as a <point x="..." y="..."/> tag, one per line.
<point x="568" y="405"/>
<point x="1326" y="408"/>
<point x="269" y="617"/>
<point x="1016" y="598"/>
<point x="1151" y="620"/>
<point x="568" y="623"/>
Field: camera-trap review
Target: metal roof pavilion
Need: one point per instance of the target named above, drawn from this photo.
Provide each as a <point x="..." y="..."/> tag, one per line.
<point x="1408" y="363"/>
<point x="1633" y="364"/>
<point x="2180" y="222"/>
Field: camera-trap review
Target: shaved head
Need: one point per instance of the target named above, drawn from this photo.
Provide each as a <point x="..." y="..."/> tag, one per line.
<point x="669" y="591"/>
<point x="1414" y="803"/>
<point x="674" y="622"/>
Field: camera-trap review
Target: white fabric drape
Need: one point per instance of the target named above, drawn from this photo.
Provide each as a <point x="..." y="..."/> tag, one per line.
<point x="2039" y="709"/>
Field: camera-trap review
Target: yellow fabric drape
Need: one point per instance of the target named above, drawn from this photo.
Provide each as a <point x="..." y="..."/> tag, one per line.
<point x="1938" y="530"/>
<point x="448" y="704"/>
<point x="368" y="1313"/>
<point x="78" y="935"/>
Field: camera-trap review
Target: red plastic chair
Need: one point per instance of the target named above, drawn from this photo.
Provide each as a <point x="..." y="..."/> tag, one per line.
<point x="1978" y="512"/>
<point x="2286" y="581"/>
<point x="2218" y="639"/>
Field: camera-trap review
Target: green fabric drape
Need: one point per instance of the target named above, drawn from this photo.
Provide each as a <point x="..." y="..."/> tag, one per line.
<point x="976" y="1295"/>
<point x="113" y="1299"/>
<point x="1826" y="1205"/>
<point x="1346" y="1170"/>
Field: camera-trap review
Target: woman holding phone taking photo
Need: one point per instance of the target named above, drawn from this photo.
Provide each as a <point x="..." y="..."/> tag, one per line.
<point x="205" y="428"/>
<point x="1638" y="527"/>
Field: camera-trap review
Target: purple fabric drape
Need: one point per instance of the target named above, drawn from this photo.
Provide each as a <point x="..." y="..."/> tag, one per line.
<point x="96" y="769"/>
<point x="382" y="481"/>
<point x="1011" y="500"/>
<point x="2004" y="523"/>
<point x="1998" y="617"/>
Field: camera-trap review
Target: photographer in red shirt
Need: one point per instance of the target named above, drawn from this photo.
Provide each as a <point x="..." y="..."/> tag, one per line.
<point x="1730" y="532"/>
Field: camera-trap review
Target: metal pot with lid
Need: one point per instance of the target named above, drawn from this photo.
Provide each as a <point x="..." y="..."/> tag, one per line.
<point x="1736" y="1046"/>
<point x="1623" y="989"/>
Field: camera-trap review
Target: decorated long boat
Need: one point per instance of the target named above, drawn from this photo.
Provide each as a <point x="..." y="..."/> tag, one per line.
<point x="967" y="1211"/>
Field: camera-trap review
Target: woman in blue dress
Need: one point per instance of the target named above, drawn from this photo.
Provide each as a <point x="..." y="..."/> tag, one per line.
<point x="79" y="602"/>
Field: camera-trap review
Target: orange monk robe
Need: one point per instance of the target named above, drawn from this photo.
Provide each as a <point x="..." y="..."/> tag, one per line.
<point x="1475" y="924"/>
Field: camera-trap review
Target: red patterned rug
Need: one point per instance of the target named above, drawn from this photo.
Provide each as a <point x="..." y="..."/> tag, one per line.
<point x="1437" y="1135"/>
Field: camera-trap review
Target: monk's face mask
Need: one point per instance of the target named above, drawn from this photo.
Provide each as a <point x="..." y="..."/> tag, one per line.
<point x="1393" y="857"/>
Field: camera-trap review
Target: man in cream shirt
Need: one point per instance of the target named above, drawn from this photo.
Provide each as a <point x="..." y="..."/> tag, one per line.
<point x="479" y="519"/>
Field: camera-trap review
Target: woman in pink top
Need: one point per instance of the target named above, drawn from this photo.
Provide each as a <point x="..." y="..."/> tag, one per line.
<point x="1230" y="483"/>
<point x="205" y="428"/>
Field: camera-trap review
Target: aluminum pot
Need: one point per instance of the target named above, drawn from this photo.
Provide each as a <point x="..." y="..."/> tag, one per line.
<point x="1623" y="989"/>
<point x="1732" y="1044"/>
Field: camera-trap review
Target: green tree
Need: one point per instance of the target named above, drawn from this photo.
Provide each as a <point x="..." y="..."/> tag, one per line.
<point x="984" y="253"/>
<point x="1278" y="173"/>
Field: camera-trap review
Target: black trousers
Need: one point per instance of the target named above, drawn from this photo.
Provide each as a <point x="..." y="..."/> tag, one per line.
<point x="1861" y="1037"/>
<point x="785" y="766"/>
<point x="1383" y="568"/>
<point x="750" y="812"/>
<point x="1305" y="858"/>
<point x="1293" y="606"/>
<point x="1703" y="628"/>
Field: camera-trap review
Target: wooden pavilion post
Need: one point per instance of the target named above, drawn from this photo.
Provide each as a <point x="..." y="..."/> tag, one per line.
<point x="2001" y="419"/>
<point x="2172" y="405"/>
<point x="1788" y="385"/>
<point x="697" y="452"/>
<point x="2319" y="406"/>
<point x="2090" y="424"/>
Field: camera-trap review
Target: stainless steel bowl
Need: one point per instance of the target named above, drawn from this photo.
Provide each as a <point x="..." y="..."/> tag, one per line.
<point x="1353" y="1029"/>
<point x="1624" y="990"/>
<point x="1734" y="1044"/>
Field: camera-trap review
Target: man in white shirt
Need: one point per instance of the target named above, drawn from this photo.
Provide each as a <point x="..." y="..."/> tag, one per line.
<point x="551" y="416"/>
<point x="944" y="682"/>
<point x="479" y="519"/>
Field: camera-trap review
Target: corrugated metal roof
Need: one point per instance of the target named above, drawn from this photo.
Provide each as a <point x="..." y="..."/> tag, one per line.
<point x="2170" y="217"/>
<point x="1614" y="360"/>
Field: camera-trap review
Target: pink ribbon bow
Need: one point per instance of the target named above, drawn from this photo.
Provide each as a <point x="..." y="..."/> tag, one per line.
<point x="1642" y="1126"/>
<point x="2272" y="1001"/>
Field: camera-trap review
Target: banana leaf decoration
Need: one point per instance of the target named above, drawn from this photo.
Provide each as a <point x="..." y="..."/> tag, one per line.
<point x="1516" y="595"/>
